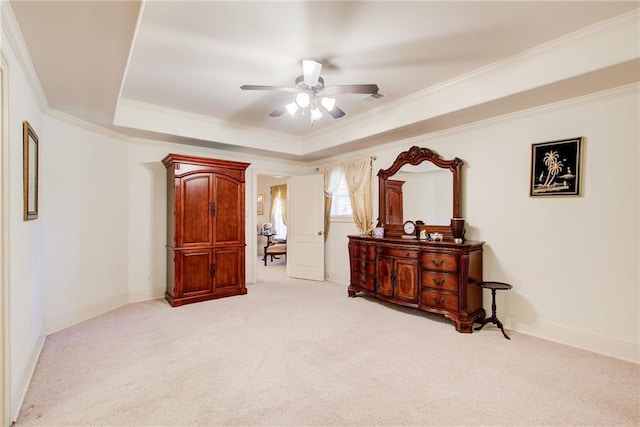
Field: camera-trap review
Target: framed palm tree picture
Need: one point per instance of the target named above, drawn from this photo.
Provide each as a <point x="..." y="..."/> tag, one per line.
<point x="555" y="168"/>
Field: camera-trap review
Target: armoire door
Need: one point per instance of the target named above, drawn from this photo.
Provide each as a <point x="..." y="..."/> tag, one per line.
<point x="194" y="211"/>
<point x="193" y="270"/>
<point x="228" y="198"/>
<point x="228" y="268"/>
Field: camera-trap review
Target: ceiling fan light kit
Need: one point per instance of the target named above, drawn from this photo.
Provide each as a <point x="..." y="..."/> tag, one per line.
<point x="303" y="99"/>
<point x="311" y="94"/>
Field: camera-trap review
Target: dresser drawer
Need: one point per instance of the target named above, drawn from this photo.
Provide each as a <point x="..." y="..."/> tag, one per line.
<point x="440" y="281"/>
<point x="400" y="253"/>
<point x="368" y="252"/>
<point x="363" y="281"/>
<point x="440" y="262"/>
<point x="435" y="299"/>
<point x="362" y="266"/>
<point x="358" y="250"/>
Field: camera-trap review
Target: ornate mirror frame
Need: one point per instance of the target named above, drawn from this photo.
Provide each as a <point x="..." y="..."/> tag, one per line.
<point x="414" y="156"/>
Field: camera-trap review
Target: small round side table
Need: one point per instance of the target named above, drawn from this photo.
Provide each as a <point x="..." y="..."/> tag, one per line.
<point x="494" y="286"/>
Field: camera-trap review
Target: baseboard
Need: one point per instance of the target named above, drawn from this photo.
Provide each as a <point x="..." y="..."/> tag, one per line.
<point x="145" y="294"/>
<point x="614" y="347"/>
<point x="21" y="391"/>
<point x="56" y="323"/>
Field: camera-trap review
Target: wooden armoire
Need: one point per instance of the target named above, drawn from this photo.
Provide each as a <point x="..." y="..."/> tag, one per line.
<point x="395" y="201"/>
<point x="205" y="229"/>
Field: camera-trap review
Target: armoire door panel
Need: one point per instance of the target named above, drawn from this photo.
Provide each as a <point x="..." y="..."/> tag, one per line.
<point x="229" y="199"/>
<point x="196" y="217"/>
<point x="195" y="269"/>
<point x="228" y="272"/>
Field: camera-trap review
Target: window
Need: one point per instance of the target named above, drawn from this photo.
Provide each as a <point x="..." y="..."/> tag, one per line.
<point x="341" y="203"/>
<point x="278" y="224"/>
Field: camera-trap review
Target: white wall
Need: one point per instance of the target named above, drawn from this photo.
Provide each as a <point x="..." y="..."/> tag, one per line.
<point x="573" y="261"/>
<point x="85" y="223"/>
<point x="22" y="239"/>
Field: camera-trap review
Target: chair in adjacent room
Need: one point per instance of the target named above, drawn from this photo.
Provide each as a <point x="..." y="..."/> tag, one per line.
<point x="274" y="250"/>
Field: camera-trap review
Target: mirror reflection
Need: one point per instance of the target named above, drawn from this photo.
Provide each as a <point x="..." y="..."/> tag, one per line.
<point x="419" y="186"/>
<point x="426" y="192"/>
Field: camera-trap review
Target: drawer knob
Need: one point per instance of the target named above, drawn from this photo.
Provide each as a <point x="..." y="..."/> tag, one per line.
<point x="437" y="282"/>
<point x="438" y="263"/>
<point x="438" y="301"/>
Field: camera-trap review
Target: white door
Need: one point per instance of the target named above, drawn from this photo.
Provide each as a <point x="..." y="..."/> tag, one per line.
<point x="305" y="225"/>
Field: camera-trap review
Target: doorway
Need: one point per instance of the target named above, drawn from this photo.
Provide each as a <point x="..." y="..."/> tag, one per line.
<point x="270" y="228"/>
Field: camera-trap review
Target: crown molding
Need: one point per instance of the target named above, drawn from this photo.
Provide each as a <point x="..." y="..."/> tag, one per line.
<point x="633" y="88"/>
<point x="597" y="47"/>
<point x="92" y="127"/>
<point x="12" y="30"/>
<point x="171" y="146"/>
<point x="150" y="117"/>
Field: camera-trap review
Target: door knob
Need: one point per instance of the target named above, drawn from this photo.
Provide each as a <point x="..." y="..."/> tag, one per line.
<point x="319" y="233"/>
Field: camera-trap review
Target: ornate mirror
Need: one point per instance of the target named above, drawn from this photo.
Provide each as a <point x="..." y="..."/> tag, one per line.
<point x="420" y="186"/>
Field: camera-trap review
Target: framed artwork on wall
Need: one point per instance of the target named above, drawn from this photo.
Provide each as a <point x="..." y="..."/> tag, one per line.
<point x="556" y="168"/>
<point x="30" y="171"/>
<point x="260" y="203"/>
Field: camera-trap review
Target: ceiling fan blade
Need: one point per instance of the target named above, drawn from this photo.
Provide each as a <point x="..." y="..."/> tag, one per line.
<point x="368" y="89"/>
<point x="274" y="88"/>
<point x="278" y="112"/>
<point x="311" y="72"/>
<point x="336" y="112"/>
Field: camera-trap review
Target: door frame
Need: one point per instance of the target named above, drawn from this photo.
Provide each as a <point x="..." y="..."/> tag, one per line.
<point x="5" y="414"/>
<point x="251" y="217"/>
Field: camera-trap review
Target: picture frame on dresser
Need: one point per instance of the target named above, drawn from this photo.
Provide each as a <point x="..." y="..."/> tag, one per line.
<point x="30" y="159"/>
<point x="556" y="168"/>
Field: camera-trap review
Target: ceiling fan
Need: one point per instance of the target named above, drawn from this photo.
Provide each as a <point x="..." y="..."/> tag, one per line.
<point x="312" y="96"/>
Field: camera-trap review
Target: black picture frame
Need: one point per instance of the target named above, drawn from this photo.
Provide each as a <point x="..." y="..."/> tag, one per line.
<point x="30" y="147"/>
<point x="556" y="168"/>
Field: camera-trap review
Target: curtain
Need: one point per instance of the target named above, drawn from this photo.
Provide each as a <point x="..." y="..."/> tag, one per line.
<point x="358" y="175"/>
<point x="331" y="173"/>
<point x="279" y="192"/>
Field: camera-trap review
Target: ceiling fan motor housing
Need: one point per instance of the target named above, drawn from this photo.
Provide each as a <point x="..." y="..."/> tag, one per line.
<point x="301" y="85"/>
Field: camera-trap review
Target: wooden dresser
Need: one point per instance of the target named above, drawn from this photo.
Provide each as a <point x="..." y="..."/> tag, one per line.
<point x="438" y="277"/>
<point x="205" y="229"/>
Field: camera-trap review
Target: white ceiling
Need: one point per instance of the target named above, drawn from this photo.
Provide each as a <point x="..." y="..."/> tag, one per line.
<point x="123" y="65"/>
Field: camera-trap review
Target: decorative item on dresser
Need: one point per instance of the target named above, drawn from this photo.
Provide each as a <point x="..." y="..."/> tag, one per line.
<point x="205" y="228"/>
<point x="434" y="276"/>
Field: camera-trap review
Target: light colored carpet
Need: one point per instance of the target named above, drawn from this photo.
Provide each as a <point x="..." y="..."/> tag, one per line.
<point x="295" y="352"/>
